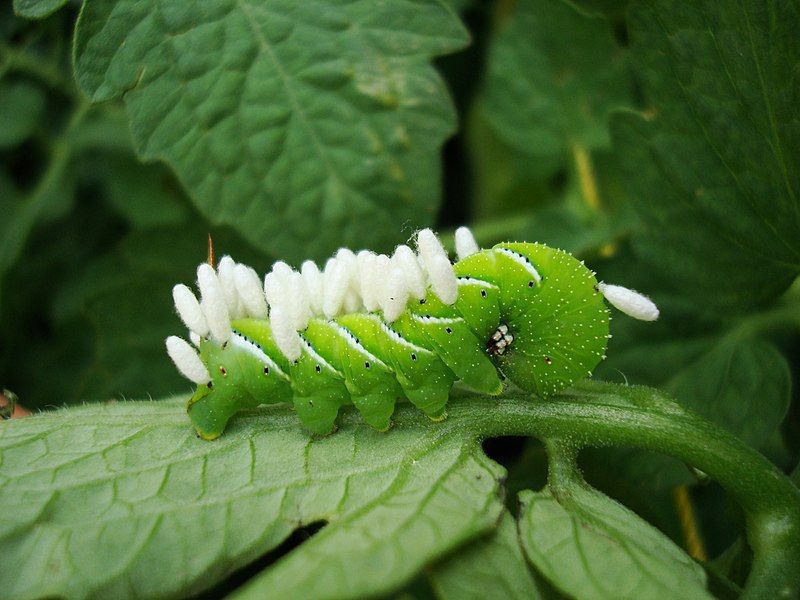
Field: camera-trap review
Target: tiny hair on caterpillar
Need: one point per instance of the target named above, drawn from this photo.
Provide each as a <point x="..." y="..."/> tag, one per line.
<point x="371" y="329"/>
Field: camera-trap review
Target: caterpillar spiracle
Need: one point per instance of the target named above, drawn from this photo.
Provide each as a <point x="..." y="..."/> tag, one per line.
<point x="370" y="329"/>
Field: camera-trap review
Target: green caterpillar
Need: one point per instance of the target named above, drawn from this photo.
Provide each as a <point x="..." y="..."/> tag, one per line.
<point x="370" y="330"/>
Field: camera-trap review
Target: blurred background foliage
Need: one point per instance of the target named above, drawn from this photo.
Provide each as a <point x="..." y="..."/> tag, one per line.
<point x="642" y="138"/>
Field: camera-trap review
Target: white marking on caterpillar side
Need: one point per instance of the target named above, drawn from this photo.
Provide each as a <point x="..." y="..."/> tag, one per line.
<point x="631" y="302"/>
<point x="465" y="243"/>
<point x="356" y="345"/>
<point x="405" y="259"/>
<point x="225" y="272"/>
<point x="312" y="279"/>
<point x="213" y="303"/>
<point x="473" y="281"/>
<point x="187" y="360"/>
<point x="523" y="261"/>
<point x="189" y="309"/>
<point x="240" y="341"/>
<point x="309" y="349"/>
<point x="250" y="291"/>
<point x="399" y="338"/>
<point x="395" y="296"/>
<point x="286" y="337"/>
<point x="443" y="279"/>
<point x="438" y="320"/>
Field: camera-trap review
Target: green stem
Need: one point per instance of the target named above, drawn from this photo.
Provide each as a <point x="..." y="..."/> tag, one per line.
<point x="644" y="419"/>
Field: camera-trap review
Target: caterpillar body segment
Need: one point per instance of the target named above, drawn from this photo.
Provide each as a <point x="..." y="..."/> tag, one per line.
<point x="370" y="330"/>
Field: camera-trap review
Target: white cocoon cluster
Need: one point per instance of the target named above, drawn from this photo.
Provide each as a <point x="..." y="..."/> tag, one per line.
<point x="187" y="360"/>
<point x="189" y="309"/>
<point x="465" y="243"/>
<point x="213" y="303"/>
<point x="631" y="302"/>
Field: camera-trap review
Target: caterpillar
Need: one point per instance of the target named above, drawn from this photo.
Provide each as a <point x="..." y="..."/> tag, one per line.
<point x="370" y="329"/>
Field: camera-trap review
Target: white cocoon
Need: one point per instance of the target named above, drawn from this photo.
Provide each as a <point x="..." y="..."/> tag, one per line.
<point x="285" y="336"/>
<point x="405" y="259"/>
<point x="631" y="302"/>
<point x="187" y="360"/>
<point x="465" y="243"/>
<point x="189" y="309"/>
<point x="395" y="295"/>
<point x="429" y="247"/>
<point x="213" y="303"/>
<point x="250" y="291"/>
<point x="225" y="272"/>
<point x="443" y="279"/>
<point x="312" y="279"/>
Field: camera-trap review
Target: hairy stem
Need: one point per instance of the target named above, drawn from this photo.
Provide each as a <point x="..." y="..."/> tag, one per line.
<point x="641" y="417"/>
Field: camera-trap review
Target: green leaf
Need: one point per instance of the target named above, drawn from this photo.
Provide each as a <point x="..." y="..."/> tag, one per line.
<point x="488" y="568"/>
<point x="304" y="126"/>
<point x="122" y="500"/>
<point x="741" y="383"/>
<point x="590" y="546"/>
<point x="712" y="163"/>
<point x="37" y="9"/>
<point x="21" y="107"/>
<point x="554" y="76"/>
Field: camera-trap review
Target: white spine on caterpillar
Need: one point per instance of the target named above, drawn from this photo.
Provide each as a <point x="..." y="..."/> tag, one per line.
<point x="248" y="284"/>
<point x="213" y="303"/>
<point x="631" y="302"/>
<point x="285" y="335"/>
<point x="225" y="272"/>
<point x="405" y="259"/>
<point x="465" y="243"/>
<point x="189" y="309"/>
<point x="187" y="360"/>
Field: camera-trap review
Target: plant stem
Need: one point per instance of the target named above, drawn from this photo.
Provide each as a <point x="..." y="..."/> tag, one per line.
<point x="643" y="418"/>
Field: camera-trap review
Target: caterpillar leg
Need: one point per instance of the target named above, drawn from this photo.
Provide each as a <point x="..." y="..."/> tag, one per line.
<point x="376" y="408"/>
<point x="317" y="412"/>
